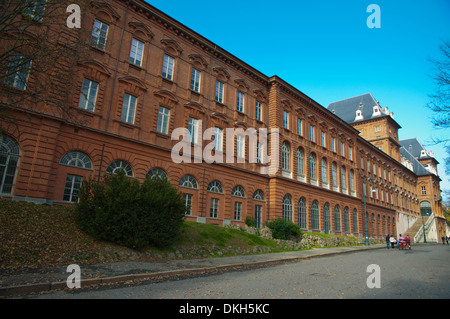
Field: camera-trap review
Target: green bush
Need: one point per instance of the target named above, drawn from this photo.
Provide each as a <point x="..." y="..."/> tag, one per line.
<point x="122" y="211"/>
<point x="282" y="229"/>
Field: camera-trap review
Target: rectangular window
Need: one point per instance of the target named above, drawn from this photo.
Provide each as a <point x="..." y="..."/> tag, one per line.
<point x="299" y="127"/>
<point x="163" y="120"/>
<point x="71" y="188"/>
<point x="286" y="120"/>
<point x="88" y="95"/>
<point x="128" y="108"/>
<point x="213" y="210"/>
<point x="219" y="91"/>
<point x="35" y="9"/>
<point x="258" y="152"/>
<point x="240" y="102"/>
<point x="167" y="71"/>
<point x="333" y="144"/>
<point x="311" y="133"/>
<point x="99" y="34"/>
<point x="258" y="109"/>
<point x="342" y="149"/>
<point x="17" y="72"/>
<point x="193" y="130"/>
<point x="322" y="139"/>
<point x="237" y="210"/>
<point x="424" y="190"/>
<point x="350" y="153"/>
<point x="377" y="128"/>
<point x="258" y="214"/>
<point x="188" y="203"/>
<point x="240" y="146"/>
<point x="218" y="139"/>
<point x="195" y="80"/>
<point x="137" y="51"/>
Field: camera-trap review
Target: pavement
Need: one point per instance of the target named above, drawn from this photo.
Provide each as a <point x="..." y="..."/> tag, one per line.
<point x="22" y="282"/>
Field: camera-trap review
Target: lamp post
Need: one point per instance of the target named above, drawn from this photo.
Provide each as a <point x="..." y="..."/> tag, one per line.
<point x="366" y="241"/>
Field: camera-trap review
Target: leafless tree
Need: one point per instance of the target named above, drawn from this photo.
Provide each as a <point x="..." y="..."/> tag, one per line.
<point x="38" y="57"/>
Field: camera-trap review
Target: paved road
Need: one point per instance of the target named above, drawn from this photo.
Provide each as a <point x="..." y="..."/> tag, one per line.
<point x="423" y="272"/>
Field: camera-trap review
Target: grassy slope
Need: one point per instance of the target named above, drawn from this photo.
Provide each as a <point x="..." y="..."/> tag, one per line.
<point x="40" y="235"/>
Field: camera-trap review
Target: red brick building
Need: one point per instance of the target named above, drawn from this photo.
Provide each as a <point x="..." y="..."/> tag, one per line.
<point x="147" y="75"/>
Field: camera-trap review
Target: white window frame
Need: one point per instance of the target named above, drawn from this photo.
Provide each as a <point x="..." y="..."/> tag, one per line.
<point x="163" y="120"/>
<point x="128" y="108"/>
<point x="195" y="80"/>
<point x="219" y="91"/>
<point x="18" y="71"/>
<point x="218" y="139"/>
<point x="88" y="96"/>
<point x="168" y="67"/>
<point x="193" y="129"/>
<point x="136" y="52"/>
<point x="240" y="101"/>
<point x="99" y="33"/>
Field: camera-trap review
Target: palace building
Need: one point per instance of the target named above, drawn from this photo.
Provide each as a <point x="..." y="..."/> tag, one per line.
<point x="147" y="74"/>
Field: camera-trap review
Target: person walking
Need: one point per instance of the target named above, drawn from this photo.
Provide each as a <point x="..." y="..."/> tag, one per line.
<point x="388" y="241"/>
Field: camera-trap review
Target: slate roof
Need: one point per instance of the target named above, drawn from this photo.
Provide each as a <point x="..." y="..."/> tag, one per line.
<point x="413" y="146"/>
<point x="417" y="166"/>
<point x="346" y="109"/>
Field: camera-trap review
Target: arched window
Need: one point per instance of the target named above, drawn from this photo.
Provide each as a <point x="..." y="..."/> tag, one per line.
<point x="258" y="195"/>
<point x="76" y="159"/>
<point x="287" y="208"/>
<point x="346" y="220"/>
<point x="9" y="161"/>
<point x="238" y="191"/>
<point x="302" y="223"/>
<point x="326" y="218"/>
<point x="300" y="162"/>
<point x="285" y="157"/>
<point x="315" y="218"/>
<point x="312" y="166"/>
<point x="156" y="173"/>
<point x="324" y="173"/>
<point x="334" y="174"/>
<point x="343" y="180"/>
<point x="337" y="218"/>
<point x="351" y="181"/>
<point x="215" y="187"/>
<point x="117" y="165"/>
<point x="355" y="221"/>
<point x="188" y="181"/>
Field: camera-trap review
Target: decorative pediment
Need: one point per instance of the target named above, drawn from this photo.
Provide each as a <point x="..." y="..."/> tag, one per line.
<point x="166" y="98"/>
<point x="301" y="112"/>
<point x="104" y="11"/>
<point x="133" y="82"/>
<point x="286" y="103"/>
<point x="350" y="141"/>
<point x="323" y="125"/>
<point x="240" y="124"/>
<point x="259" y="95"/>
<point x="333" y="130"/>
<point x="171" y="46"/>
<point x="220" y="116"/>
<point x="95" y="68"/>
<point x="195" y="106"/>
<point x="242" y="85"/>
<point x="198" y="61"/>
<point x="312" y="118"/>
<point x="221" y="73"/>
<point x="140" y="30"/>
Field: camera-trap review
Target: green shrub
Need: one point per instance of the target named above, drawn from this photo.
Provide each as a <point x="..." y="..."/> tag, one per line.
<point x="250" y="221"/>
<point x="282" y="229"/>
<point x="122" y="211"/>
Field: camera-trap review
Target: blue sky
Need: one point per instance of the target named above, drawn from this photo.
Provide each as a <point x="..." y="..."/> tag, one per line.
<point x="325" y="49"/>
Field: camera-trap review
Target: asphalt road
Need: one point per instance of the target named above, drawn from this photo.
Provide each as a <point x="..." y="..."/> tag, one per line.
<point x="423" y="272"/>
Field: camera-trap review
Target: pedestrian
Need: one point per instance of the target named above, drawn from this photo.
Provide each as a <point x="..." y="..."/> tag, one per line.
<point x="448" y="239"/>
<point x="400" y="241"/>
<point x="443" y="240"/>
<point x="393" y="241"/>
<point x="388" y="241"/>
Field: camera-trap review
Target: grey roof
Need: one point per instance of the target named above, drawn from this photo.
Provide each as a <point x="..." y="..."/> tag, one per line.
<point x="413" y="146"/>
<point x="346" y="109"/>
<point x="417" y="166"/>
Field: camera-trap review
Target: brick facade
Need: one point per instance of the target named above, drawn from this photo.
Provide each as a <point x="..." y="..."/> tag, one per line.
<point x="44" y="139"/>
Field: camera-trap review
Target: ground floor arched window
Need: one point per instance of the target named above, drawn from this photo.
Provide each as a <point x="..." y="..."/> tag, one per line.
<point x="9" y="161"/>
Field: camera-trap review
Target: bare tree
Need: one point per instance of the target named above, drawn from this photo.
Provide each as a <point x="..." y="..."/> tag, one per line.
<point x="440" y="101"/>
<point x="38" y="57"/>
